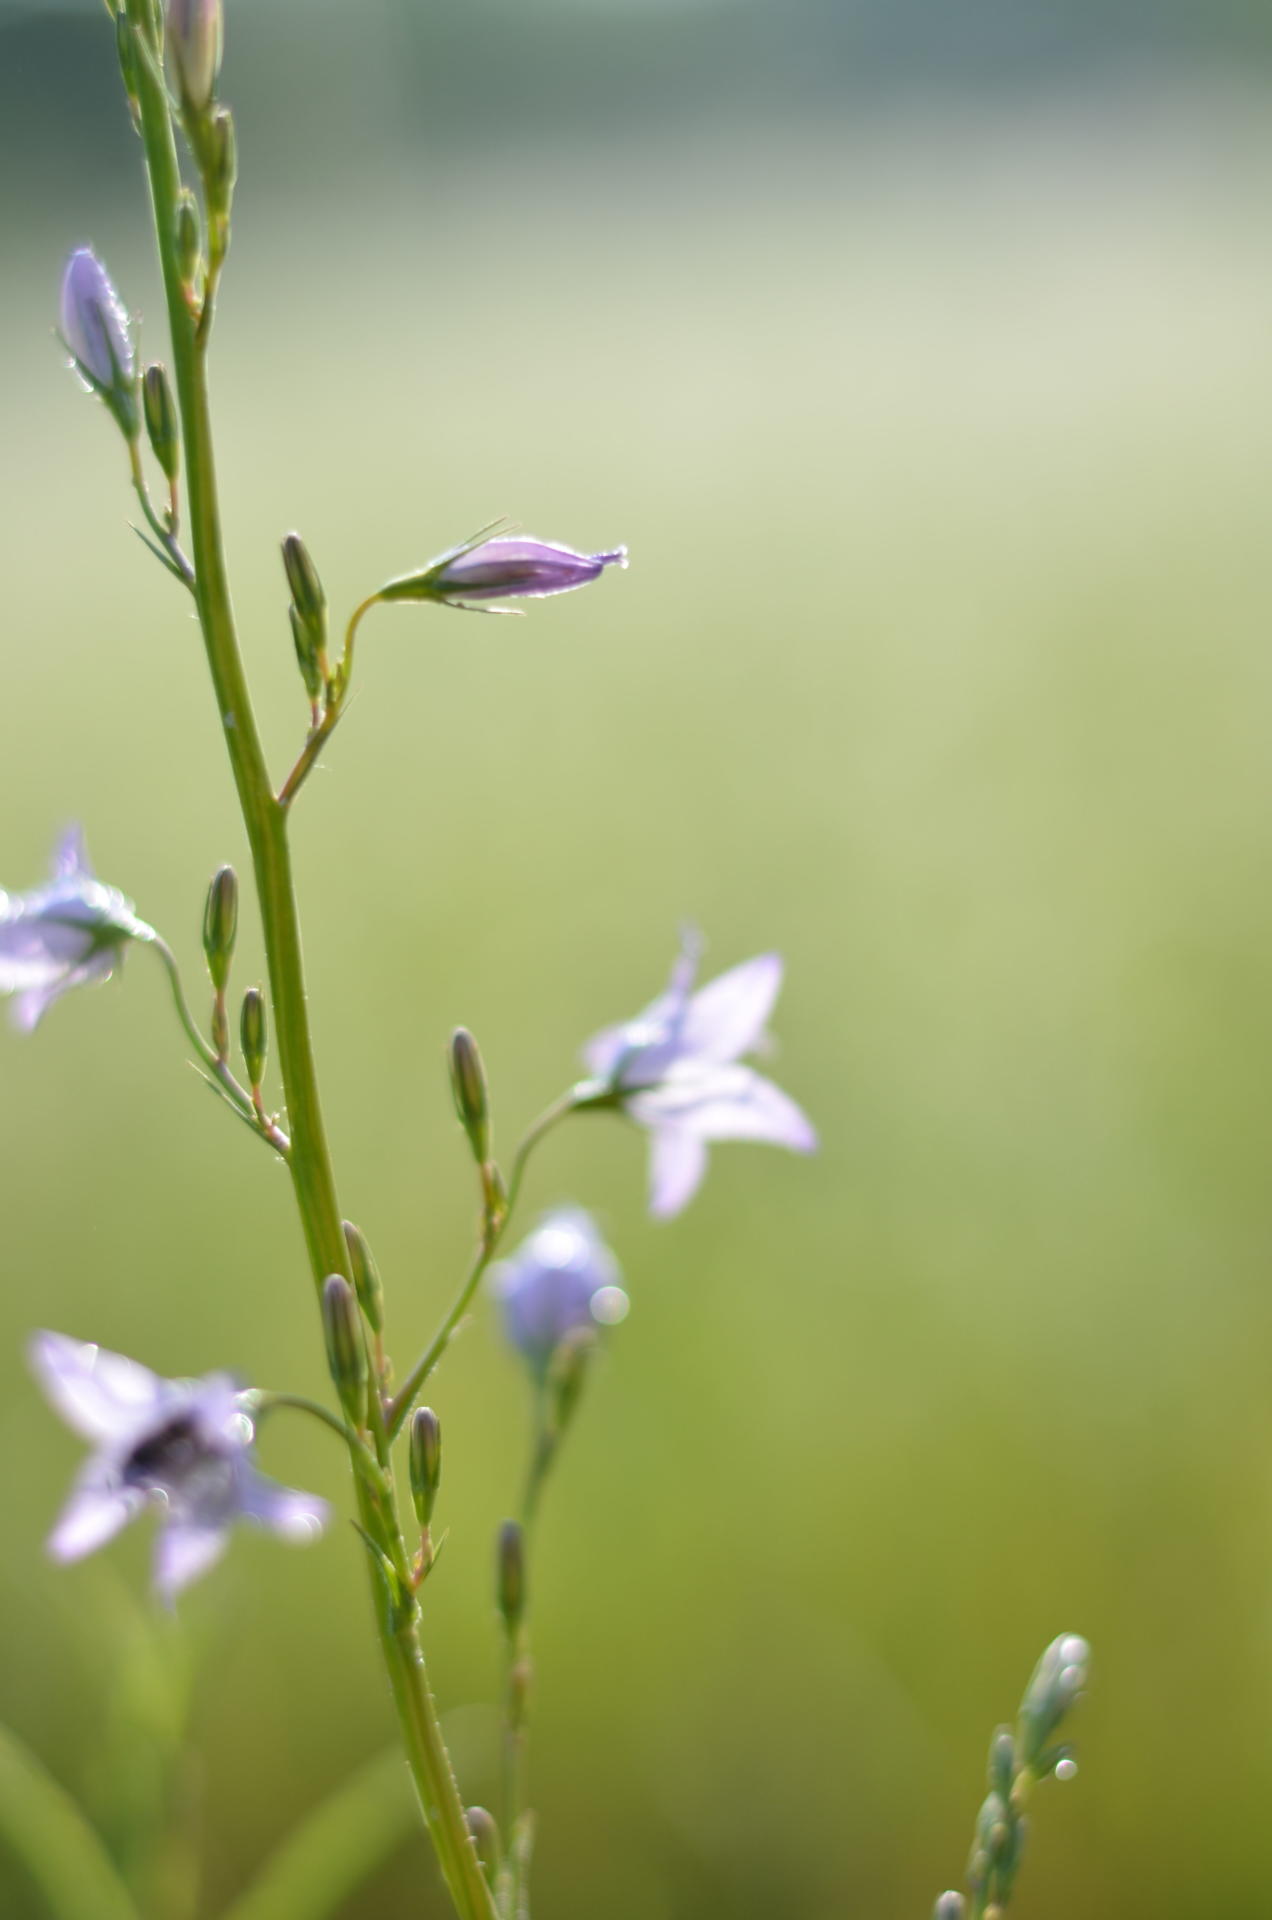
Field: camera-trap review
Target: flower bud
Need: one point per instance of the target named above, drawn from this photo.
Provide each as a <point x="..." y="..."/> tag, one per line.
<point x="510" y="1575"/>
<point x="426" y="1463"/>
<point x="221" y="171"/>
<point x="220" y="926"/>
<point x="366" y="1277"/>
<point x="252" y="1028"/>
<point x="485" y="1834"/>
<point x="308" y="595"/>
<point x="96" y="331"/>
<point x="1002" y="1761"/>
<point x="502" y="568"/>
<point x="1055" y="1684"/>
<point x="189" y="234"/>
<point x="161" y="419"/>
<point x="306" y="657"/>
<point x="950" y="1906"/>
<point x="468" y="1084"/>
<point x="346" y="1351"/>
<point x="195" y="31"/>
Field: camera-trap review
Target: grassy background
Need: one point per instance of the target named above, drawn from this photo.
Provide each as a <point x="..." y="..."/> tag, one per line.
<point x="937" y="424"/>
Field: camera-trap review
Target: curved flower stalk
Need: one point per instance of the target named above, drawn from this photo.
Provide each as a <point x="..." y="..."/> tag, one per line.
<point x="69" y="933"/>
<point x="675" y="1070"/>
<point x="183" y="1446"/>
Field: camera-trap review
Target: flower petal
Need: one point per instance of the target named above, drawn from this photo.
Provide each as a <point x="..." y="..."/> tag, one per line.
<point x="292" y="1515"/>
<point x="70" y="856"/>
<point x="100" y="1394"/>
<point x="727" y="1103"/>
<point x="677" y="1163"/>
<point x="98" y="1507"/>
<point x="184" y="1550"/>
<point x="728" y="1016"/>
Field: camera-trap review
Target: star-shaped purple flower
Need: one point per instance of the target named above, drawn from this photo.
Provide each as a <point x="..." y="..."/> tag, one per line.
<point x="502" y="567"/>
<point x="181" y="1445"/>
<point x="675" y="1070"/>
<point x="69" y="933"/>
<point x="562" y="1280"/>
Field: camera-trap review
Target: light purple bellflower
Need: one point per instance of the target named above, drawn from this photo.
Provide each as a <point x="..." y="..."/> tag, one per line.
<point x="562" y="1280"/>
<point x="69" y="933"/>
<point x="675" y="1070"/>
<point x="506" y="567"/>
<point x="181" y="1445"/>
<point x="95" y="329"/>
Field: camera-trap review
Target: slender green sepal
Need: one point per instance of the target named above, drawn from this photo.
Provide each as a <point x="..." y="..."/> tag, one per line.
<point x="366" y="1277"/>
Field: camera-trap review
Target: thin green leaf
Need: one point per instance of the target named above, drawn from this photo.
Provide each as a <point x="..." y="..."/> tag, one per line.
<point x="328" y="1856"/>
<point x="49" y="1834"/>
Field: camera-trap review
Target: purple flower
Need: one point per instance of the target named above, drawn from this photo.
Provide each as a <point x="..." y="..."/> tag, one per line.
<point x="181" y="1445"/>
<point x="96" y="332"/>
<point x="561" y="1280"/>
<point x="503" y="568"/>
<point x="195" y="29"/>
<point x="69" y="933"/>
<point x="674" y="1069"/>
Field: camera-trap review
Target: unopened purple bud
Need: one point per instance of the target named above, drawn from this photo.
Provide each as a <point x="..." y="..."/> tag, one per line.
<point x="95" y="328"/>
<point x="505" y="568"/>
<point x="194" y="39"/>
<point x="346" y="1349"/>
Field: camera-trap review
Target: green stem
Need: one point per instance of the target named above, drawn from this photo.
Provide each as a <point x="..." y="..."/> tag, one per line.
<point x="265" y="820"/>
<point x="493" y="1229"/>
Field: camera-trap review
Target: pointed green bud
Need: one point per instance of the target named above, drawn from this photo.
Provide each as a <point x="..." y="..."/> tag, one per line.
<point x="1002" y="1762"/>
<point x="950" y="1906"/>
<point x="160" y="411"/>
<point x="346" y="1350"/>
<point x="1056" y="1682"/>
<point x="221" y="172"/>
<point x="510" y="1575"/>
<point x="220" y="926"/>
<point x="308" y="596"/>
<point x="426" y="1463"/>
<point x="189" y="230"/>
<point x="485" y="1835"/>
<point x="468" y="1084"/>
<point x="306" y="656"/>
<point x="252" y="1030"/>
<point x="366" y="1276"/>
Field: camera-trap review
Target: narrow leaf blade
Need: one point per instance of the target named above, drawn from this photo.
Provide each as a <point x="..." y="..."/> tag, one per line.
<point x="55" y="1842"/>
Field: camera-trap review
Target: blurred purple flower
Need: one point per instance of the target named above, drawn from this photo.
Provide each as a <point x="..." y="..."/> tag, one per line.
<point x="69" y="933"/>
<point x="503" y="568"/>
<point x="562" y="1280"/>
<point x="674" y="1069"/>
<point x="181" y="1445"/>
<point x="95" y="329"/>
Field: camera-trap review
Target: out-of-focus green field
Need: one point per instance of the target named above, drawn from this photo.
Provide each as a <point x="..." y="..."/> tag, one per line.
<point x="943" y="446"/>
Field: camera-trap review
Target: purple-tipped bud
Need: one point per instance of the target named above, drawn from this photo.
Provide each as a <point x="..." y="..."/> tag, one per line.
<point x="346" y="1349"/>
<point x="95" y="328"/>
<point x="504" y="568"/>
<point x="194" y="40"/>
<point x="220" y="926"/>
<point x="252" y="1035"/>
<point x="366" y="1276"/>
<point x="426" y="1463"/>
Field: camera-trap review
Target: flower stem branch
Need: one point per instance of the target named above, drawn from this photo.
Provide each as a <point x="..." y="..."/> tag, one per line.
<point x="325" y="725"/>
<point x="265" y="819"/>
<point x="494" y="1223"/>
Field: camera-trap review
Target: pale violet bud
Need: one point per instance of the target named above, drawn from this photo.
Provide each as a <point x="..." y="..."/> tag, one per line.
<point x="561" y="1282"/>
<point x="195" y="33"/>
<point x="96" y="331"/>
<point x="503" y="568"/>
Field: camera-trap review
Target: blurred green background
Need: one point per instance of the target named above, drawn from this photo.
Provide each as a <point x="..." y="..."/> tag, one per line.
<point x="923" y="356"/>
